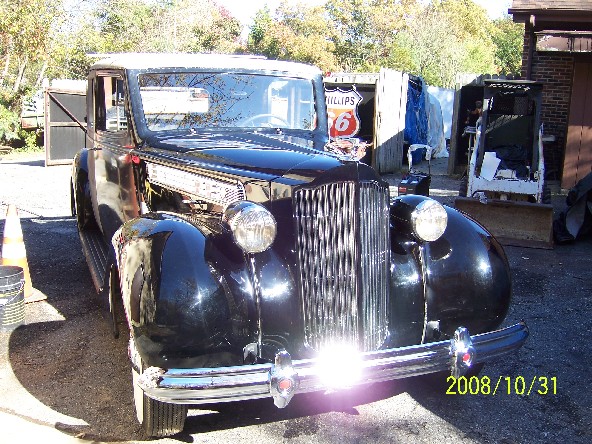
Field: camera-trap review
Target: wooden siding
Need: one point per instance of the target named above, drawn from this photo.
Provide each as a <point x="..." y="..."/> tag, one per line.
<point x="578" y="147"/>
<point x="391" y="104"/>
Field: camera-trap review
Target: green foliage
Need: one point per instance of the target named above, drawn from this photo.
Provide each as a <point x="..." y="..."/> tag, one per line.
<point x="158" y="26"/>
<point x="435" y="39"/>
<point x="508" y="38"/>
<point x="219" y="34"/>
<point x="468" y="19"/>
<point x="25" y="26"/>
<point x="9" y="125"/>
<point x="121" y="25"/>
<point x="31" y="141"/>
<point x="262" y="25"/>
<point x="442" y="42"/>
<point x="296" y="33"/>
<point x="352" y="37"/>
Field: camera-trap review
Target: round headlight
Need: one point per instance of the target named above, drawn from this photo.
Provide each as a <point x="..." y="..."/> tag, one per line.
<point x="429" y="220"/>
<point x="253" y="227"/>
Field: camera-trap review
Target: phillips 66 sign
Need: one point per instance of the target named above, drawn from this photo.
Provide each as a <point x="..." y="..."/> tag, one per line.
<point x="342" y="109"/>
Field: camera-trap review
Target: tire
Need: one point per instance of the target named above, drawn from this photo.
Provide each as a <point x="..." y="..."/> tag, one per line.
<point x="158" y="419"/>
<point x="83" y="204"/>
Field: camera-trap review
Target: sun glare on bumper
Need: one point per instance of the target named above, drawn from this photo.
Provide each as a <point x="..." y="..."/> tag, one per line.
<point x="339" y="366"/>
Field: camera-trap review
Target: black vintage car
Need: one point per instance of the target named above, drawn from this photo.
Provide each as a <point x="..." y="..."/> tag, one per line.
<point x="252" y="260"/>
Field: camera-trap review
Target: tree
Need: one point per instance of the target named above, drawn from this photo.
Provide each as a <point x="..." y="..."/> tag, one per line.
<point x="160" y="26"/>
<point x="25" y="33"/>
<point x="508" y="38"/>
<point x="121" y="25"/>
<point x="218" y="34"/>
<point x="297" y="33"/>
<point x="352" y="36"/>
<point x="437" y="42"/>
<point x="435" y="50"/>
<point x="469" y="20"/>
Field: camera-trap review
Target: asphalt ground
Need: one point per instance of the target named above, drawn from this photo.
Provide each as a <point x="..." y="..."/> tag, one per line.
<point x="64" y="378"/>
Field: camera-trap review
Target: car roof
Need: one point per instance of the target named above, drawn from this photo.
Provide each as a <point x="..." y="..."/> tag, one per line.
<point x="248" y="63"/>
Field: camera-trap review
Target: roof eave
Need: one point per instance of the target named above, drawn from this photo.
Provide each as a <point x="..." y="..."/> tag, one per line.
<point x="551" y="15"/>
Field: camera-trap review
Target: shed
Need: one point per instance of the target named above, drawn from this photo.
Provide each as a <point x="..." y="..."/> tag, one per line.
<point x="558" y="52"/>
<point x="393" y="110"/>
<point x="381" y="112"/>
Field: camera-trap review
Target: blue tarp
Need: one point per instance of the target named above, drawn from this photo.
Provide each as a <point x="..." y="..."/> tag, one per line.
<point x="416" y="117"/>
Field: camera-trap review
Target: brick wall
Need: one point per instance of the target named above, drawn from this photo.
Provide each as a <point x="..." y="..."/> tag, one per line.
<point x="555" y="71"/>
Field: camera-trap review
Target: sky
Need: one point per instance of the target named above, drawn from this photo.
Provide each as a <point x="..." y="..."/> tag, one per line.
<point x="245" y="10"/>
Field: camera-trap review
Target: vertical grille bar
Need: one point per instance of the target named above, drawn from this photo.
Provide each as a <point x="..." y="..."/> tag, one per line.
<point x="343" y="249"/>
<point x="375" y="262"/>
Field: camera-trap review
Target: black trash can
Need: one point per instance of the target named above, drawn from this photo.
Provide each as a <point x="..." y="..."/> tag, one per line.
<point x="12" y="297"/>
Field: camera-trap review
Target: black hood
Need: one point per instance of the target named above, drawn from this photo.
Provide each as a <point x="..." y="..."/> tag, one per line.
<point x="260" y="155"/>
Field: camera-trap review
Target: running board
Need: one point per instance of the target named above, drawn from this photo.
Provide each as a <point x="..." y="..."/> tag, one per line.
<point x="96" y="252"/>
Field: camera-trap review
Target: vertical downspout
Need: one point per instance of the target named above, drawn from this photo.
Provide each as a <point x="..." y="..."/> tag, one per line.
<point x="531" y="45"/>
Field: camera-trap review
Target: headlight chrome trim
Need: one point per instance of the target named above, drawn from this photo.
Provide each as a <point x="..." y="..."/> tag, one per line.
<point x="253" y="227"/>
<point x="429" y="220"/>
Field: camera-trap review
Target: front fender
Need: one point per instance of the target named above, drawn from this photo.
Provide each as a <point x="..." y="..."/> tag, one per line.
<point x="463" y="278"/>
<point x="467" y="277"/>
<point x="179" y="306"/>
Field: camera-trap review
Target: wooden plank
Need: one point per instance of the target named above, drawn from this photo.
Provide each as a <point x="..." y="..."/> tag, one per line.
<point x="577" y="133"/>
<point x="391" y="103"/>
<point x="584" y="166"/>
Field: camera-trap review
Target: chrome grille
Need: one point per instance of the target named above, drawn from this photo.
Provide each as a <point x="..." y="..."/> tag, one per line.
<point x="343" y="250"/>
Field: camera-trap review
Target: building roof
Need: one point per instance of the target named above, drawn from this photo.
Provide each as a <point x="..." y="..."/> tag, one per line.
<point x="559" y="5"/>
<point x="566" y="12"/>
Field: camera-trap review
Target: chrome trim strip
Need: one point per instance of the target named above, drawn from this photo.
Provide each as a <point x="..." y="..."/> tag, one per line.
<point x="225" y="384"/>
<point x="196" y="185"/>
<point x="375" y="263"/>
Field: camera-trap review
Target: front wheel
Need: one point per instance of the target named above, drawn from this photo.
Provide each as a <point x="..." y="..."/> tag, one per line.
<point x="158" y="418"/>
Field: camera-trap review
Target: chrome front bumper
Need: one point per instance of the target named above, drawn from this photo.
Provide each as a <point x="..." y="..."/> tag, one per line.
<point x="284" y="378"/>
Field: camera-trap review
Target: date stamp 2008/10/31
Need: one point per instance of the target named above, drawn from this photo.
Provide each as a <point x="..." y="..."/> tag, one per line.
<point x="505" y="385"/>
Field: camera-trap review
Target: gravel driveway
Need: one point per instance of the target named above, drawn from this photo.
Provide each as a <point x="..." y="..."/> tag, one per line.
<point x="64" y="374"/>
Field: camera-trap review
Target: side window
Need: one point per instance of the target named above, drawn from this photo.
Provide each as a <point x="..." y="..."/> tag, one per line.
<point x="109" y="104"/>
<point x="90" y="97"/>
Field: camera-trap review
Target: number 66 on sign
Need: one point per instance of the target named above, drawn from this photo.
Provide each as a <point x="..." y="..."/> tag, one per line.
<point x="342" y="110"/>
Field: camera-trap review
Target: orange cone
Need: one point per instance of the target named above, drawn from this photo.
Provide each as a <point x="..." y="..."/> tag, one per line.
<point x="13" y="250"/>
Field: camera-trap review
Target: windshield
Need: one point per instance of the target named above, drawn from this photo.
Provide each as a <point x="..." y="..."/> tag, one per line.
<point x="173" y="101"/>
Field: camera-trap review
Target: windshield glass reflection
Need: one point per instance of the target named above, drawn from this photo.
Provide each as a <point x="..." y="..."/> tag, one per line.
<point x="174" y="101"/>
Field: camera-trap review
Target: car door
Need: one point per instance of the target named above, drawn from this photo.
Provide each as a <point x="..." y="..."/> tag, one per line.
<point x="110" y="161"/>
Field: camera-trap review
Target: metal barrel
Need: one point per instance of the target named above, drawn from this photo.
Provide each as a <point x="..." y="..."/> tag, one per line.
<point x="12" y="297"/>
